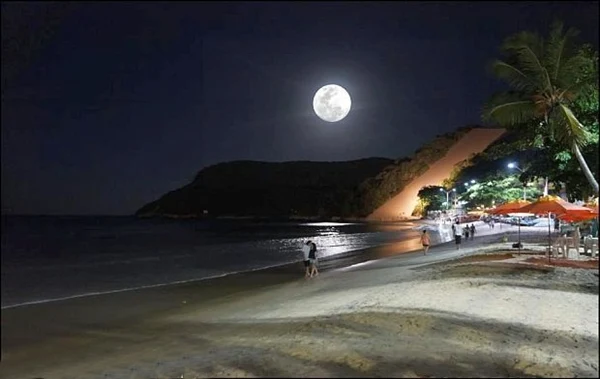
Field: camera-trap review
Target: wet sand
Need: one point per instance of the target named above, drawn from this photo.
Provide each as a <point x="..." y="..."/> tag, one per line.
<point x="385" y="317"/>
<point x="26" y="327"/>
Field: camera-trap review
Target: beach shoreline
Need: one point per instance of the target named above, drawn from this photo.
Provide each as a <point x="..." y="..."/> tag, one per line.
<point x="166" y="297"/>
<point x="337" y="260"/>
<point x="122" y="259"/>
<point x="183" y="325"/>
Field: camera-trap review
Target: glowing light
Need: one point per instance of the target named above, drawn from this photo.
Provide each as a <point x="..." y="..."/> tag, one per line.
<point x="332" y="103"/>
<point x="328" y="224"/>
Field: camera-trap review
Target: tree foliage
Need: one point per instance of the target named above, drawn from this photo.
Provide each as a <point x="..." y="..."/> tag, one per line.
<point x="498" y="190"/>
<point x="553" y="84"/>
<point x="375" y="191"/>
<point x="431" y="198"/>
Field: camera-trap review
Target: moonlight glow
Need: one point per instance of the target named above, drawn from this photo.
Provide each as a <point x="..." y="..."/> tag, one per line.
<point x="332" y="103"/>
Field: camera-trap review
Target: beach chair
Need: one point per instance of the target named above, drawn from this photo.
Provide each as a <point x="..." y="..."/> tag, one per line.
<point x="556" y="247"/>
<point x="591" y="244"/>
<point x="571" y="243"/>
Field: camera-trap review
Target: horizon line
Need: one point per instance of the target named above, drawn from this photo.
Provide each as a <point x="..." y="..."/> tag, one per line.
<point x="68" y="215"/>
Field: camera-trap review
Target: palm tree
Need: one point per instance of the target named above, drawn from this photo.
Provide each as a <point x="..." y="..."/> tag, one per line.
<point x="545" y="77"/>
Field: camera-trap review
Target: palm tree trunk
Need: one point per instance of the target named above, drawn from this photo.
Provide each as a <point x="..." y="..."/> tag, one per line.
<point x="584" y="167"/>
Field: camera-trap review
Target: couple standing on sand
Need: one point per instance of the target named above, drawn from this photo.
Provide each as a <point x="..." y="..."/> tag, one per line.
<point x="310" y="259"/>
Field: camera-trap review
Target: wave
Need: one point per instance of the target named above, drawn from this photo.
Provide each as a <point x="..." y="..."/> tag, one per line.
<point x="63" y="266"/>
<point x="113" y="291"/>
<point x="169" y="283"/>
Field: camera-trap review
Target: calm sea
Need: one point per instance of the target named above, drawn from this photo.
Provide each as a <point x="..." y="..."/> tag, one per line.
<point x="51" y="257"/>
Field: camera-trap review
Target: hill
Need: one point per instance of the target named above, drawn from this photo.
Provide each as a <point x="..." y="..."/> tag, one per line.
<point x="263" y="189"/>
<point x="298" y="189"/>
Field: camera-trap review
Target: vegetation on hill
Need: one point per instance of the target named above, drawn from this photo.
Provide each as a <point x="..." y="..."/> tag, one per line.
<point x="375" y="191"/>
<point x="298" y="189"/>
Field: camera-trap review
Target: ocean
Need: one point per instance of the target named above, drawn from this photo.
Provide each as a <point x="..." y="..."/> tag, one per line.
<point x="46" y="258"/>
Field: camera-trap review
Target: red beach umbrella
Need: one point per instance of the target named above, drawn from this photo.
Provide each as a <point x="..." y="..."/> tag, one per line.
<point x="514" y="206"/>
<point x="593" y="205"/>
<point x="554" y="205"/>
<point x="578" y="217"/>
<point x="557" y="206"/>
<point x="509" y="207"/>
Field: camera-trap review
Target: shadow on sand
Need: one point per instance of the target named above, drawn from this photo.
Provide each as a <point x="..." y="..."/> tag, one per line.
<point x="391" y="343"/>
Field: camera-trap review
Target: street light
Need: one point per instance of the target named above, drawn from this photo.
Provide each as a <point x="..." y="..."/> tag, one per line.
<point x="448" y="195"/>
<point x="514" y="165"/>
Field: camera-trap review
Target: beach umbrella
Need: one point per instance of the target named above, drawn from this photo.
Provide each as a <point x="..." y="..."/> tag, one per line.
<point x="557" y="206"/>
<point x="509" y="207"/>
<point x="512" y="208"/>
<point x="519" y="215"/>
<point x="593" y="206"/>
<point x="578" y="217"/>
<point x="554" y="205"/>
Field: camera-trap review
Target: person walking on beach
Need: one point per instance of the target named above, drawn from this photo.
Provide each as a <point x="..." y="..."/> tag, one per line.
<point x="458" y="232"/>
<point x="467" y="232"/>
<point x="472" y="231"/>
<point x="312" y="256"/>
<point x="306" y="248"/>
<point x="425" y="241"/>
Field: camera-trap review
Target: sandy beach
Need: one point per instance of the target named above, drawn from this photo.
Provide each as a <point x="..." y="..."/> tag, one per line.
<point x="387" y="314"/>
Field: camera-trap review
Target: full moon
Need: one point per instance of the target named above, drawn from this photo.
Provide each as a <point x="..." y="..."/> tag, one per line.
<point x="332" y="103"/>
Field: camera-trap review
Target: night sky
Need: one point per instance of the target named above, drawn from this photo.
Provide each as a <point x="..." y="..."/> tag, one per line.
<point x="106" y="106"/>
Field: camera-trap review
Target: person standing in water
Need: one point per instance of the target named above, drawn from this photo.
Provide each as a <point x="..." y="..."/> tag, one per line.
<point x="306" y="248"/>
<point x="312" y="256"/>
<point x="425" y="241"/>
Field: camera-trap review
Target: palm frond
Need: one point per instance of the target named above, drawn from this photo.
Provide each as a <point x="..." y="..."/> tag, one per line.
<point x="509" y="109"/>
<point x="525" y="38"/>
<point x="516" y="78"/>
<point x="527" y="51"/>
<point x="557" y="49"/>
<point x="566" y="127"/>
<point x="573" y="70"/>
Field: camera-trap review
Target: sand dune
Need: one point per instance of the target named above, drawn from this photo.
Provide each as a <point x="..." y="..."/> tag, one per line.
<point x="403" y="204"/>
